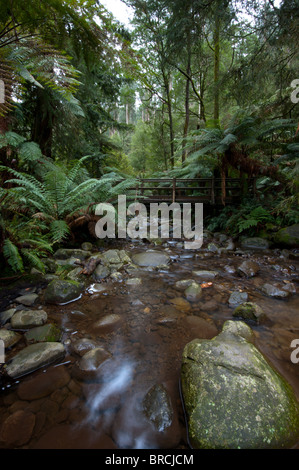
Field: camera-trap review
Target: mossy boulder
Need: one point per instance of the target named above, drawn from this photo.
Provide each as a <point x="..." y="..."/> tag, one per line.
<point x="60" y="292"/>
<point x="288" y="236"/>
<point x="250" y="311"/>
<point x="233" y="397"/>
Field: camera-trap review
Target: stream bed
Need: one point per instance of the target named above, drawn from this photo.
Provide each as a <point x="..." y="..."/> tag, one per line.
<point x="61" y="407"/>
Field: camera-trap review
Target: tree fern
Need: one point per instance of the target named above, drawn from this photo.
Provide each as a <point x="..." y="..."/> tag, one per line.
<point x="12" y="255"/>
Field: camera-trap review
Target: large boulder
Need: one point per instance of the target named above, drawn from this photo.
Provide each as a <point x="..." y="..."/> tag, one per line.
<point x="151" y="258"/>
<point x="233" y="397"/>
<point x="255" y="243"/>
<point x="288" y="236"/>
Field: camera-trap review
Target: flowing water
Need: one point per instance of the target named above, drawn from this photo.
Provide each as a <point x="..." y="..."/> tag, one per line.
<point x="104" y="410"/>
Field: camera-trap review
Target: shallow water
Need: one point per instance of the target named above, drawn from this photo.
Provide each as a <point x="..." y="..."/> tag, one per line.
<point x="105" y="410"/>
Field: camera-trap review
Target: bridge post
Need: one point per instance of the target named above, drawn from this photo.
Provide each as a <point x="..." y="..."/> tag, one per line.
<point x="213" y="191"/>
<point x="173" y="189"/>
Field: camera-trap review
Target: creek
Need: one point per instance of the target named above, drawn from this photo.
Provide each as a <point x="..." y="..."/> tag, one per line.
<point x="69" y="409"/>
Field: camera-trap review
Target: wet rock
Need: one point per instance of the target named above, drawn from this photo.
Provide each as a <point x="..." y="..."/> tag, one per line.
<point x="183" y="284"/>
<point x="83" y="345"/>
<point x="24" y="319"/>
<point x="87" y="246"/>
<point x="111" y="257"/>
<point x="101" y="272"/>
<point x="213" y="248"/>
<point x="67" y="436"/>
<point x="108" y="323"/>
<point x="60" y="292"/>
<point x="248" y="268"/>
<point x="151" y="258"/>
<point x="28" y="299"/>
<point x="250" y="311"/>
<point x="274" y="291"/>
<point x="45" y="333"/>
<point x="199" y="327"/>
<point x="6" y="315"/>
<point x="136" y="281"/>
<point x="43" y="384"/>
<point x="10" y="338"/>
<point x="181" y="304"/>
<point x="17" y="429"/>
<point x="76" y="275"/>
<point x="255" y="243"/>
<point x="90" y="364"/>
<point x="97" y="288"/>
<point x="205" y="274"/>
<point x="157" y="408"/>
<point x="33" y="357"/>
<point x="193" y="292"/>
<point x="237" y="298"/>
<point x="233" y="397"/>
<point x="288" y="236"/>
<point x="230" y="269"/>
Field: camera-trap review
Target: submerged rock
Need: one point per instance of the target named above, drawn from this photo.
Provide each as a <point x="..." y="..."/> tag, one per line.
<point x="33" y="357"/>
<point x="248" y="268"/>
<point x="237" y="298"/>
<point x="273" y="291"/>
<point x="157" y="407"/>
<point x="249" y="311"/>
<point x="233" y="397"/>
<point x="193" y="292"/>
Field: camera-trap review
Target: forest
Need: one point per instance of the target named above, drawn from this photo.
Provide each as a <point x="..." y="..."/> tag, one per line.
<point x="194" y="89"/>
<point x="141" y="338"/>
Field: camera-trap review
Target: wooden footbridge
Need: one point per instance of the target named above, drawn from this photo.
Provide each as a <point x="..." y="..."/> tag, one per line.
<point x="213" y="191"/>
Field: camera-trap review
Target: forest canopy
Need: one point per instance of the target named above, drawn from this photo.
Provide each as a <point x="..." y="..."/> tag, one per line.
<point x="195" y="88"/>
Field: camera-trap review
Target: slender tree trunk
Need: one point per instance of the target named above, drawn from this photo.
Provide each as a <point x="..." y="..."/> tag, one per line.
<point x="169" y="108"/>
<point x="187" y="99"/>
<point x="216" y="64"/>
<point x="42" y="132"/>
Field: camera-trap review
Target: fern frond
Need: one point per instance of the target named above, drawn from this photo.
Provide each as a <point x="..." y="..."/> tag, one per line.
<point x="12" y="255"/>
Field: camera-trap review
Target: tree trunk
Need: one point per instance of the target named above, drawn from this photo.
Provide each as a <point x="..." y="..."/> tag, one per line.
<point x="216" y="65"/>
<point x="169" y="108"/>
<point x="187" y="99"/>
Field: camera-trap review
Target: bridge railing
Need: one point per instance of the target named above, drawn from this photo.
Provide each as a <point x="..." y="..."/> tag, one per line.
<point x="206" y="190"/>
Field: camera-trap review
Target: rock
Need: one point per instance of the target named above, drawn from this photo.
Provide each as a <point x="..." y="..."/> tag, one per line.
<point x="17" y="429"/>
<point x="248" y="268"/>
<point x="46" y="333"/>
<point x="205" y="274"/>
<point x="50" y="265"/>
<point x="10" y="338"/>
<point x="43" y="384"/>
<point x="91" y="362"/>
<point x="255" y="243"/>
<point x="151" y="258"/>
<point x="181" y="304"/>
<point x="60" y="292"/>
<point x="213" y="248"/>
<point x="6" y="315"/>
<point x="134" y="281"/>
<point x="288" y="236"/>
<point x="66" y="253"/>
<point x="87" y="246"/>
<point x="68" y="436"/>
<point x="33" y="357"/>
<point x="237" y="298"/>
<point x="24" y="319"/>
<point x="233" y="397"/>
<point x="249" y="311"/>
<point x="101" y="272"/>
<point x="157" y="408"/>
<point x="83" y="345"/>
<point x="183" y="284"/>
<point x="76" y="274"/>
<point x="274" y="291"/>
<point x="193" y="292"/>
<point x="199" y="327"/>
<point x="28" y="299"/>
<point x="116" y="276"/>
<point x="108" y="323"/>
<point x="230" y="269"/>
